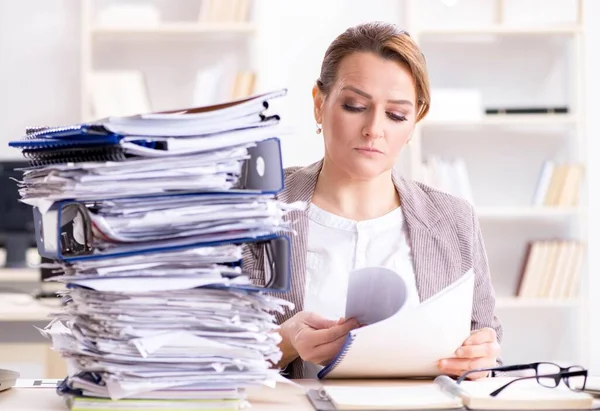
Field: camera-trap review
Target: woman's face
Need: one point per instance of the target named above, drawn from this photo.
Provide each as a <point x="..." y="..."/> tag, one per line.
<point x="368" y="116"/>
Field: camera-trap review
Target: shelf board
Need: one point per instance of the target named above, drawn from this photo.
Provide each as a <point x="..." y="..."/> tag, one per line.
<point x="19" y="275"/>
<point x="499" y="30"/>
<point x="507" y="120"/>
<point x="517" y="302"/>
<point x="177" y="28"/>
<point x="527" y="212"/>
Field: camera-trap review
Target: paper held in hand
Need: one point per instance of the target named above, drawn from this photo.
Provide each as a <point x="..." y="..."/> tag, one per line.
<point x="400" y="341"/>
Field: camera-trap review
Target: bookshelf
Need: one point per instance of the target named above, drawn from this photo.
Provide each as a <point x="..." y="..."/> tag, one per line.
<point x="151" y="56"/>
<point x="497" y="161"/>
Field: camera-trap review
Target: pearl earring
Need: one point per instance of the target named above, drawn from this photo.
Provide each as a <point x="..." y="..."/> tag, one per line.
<point x="319" y="129"/>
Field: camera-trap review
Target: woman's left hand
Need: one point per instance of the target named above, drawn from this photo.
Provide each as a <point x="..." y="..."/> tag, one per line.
<point x="480" y="350"/>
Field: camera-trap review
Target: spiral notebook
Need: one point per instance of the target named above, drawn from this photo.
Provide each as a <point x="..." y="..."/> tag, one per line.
<point x="74" y="155"/>
<point x="444" y="394"/>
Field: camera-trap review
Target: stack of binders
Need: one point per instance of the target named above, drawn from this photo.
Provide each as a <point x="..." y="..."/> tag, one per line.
<point x="148" y="217"/>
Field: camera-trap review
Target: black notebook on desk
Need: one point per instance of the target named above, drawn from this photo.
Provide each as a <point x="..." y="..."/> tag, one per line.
<point x="444" y="394"/>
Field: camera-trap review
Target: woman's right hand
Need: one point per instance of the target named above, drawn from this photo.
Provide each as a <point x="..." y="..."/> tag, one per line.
<point x="313" y="338"/>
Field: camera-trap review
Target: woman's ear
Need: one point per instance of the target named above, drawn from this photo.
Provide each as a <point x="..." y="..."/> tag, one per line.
<point x="318" y="104"/>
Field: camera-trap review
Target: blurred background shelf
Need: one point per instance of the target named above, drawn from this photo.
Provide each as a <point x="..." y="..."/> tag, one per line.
<point x="155" y="56"/>
<point x="524" y="173"/>
<point x="176" y="28"/>
<point x="528" y="212"/>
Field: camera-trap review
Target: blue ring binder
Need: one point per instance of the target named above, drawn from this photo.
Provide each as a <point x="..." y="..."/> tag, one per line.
<point x="50" y="239"/>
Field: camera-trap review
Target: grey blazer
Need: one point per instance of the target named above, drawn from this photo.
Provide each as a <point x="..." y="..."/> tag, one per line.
<point x="445" y="238"/>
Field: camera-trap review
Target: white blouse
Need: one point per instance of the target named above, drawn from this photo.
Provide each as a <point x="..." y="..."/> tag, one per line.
<point x="337" y="246"/>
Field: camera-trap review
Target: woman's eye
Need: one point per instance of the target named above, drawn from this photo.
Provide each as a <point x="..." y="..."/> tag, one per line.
<point x="396" y="117"/>
<point x="353" y="109"/>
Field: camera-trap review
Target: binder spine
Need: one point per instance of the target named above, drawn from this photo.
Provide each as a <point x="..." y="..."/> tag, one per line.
<point x="77" y="245"/>
<point x="338" y="359"/>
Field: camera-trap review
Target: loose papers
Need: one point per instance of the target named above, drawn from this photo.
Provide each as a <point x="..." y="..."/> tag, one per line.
<point x="159" y="315"/>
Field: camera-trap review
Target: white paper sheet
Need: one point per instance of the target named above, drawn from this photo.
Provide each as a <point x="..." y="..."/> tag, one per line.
<point x="410" y="342"/>
<point x="374" y="294"/>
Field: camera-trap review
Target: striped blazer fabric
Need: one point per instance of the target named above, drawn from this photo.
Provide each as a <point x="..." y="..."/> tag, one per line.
<point x="445" y="239"/>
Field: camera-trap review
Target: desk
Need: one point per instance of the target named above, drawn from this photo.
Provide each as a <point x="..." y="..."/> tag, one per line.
<point x="285" y="397"/>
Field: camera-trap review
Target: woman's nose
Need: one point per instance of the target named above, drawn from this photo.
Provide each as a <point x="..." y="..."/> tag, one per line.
<point x="373" y="129"/>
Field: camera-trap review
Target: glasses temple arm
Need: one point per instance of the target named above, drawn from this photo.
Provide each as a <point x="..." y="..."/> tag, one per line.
<point x="499" y="390"/>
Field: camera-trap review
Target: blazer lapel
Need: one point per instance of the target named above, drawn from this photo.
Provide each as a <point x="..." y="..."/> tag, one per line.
<point x="300" y="186"/>
<point x="436" y="257"/>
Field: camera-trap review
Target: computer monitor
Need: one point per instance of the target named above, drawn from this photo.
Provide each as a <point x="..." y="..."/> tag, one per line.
<point x="17" y="232"/>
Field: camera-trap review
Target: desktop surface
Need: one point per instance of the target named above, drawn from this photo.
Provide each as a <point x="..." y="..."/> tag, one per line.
<point x="285" y="397"/>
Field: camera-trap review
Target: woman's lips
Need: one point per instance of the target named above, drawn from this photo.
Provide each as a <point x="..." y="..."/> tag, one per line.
<point x="369" y="151"/>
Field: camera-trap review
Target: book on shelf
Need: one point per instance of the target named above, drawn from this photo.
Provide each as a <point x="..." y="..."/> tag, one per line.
<point x="551" y="269"/>
<point x="448" y="175"/>
<point x="558" y="184"/>
<point x="243" y="85"/>
<point x="224" y="11"/>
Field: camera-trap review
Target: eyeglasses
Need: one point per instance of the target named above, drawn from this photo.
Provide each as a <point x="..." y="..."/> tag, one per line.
<point x="547" y="374"/>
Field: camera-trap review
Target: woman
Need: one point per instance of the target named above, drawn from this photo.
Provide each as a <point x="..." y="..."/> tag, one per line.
<point x="372" y="90"/>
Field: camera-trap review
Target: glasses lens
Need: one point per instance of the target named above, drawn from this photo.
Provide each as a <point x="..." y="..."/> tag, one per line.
<point x="577" y="382"/>
<point x="548" y="368"/>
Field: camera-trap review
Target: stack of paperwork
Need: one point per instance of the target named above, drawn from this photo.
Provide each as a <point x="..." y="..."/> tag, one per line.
<point x="148" y="217"/>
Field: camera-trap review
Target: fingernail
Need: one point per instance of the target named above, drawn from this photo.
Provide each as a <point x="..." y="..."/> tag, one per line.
<point x="459" y="352"/>
<point x="442" y="363"/>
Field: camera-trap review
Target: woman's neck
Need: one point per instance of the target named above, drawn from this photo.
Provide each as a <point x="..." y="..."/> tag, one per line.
<point x="357" y="200"/>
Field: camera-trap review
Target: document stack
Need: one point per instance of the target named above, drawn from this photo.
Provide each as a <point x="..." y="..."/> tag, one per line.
<point x="148" y="217"/>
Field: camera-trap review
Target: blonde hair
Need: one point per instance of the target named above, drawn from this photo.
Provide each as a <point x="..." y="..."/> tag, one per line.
<point x="385" y="40"/>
